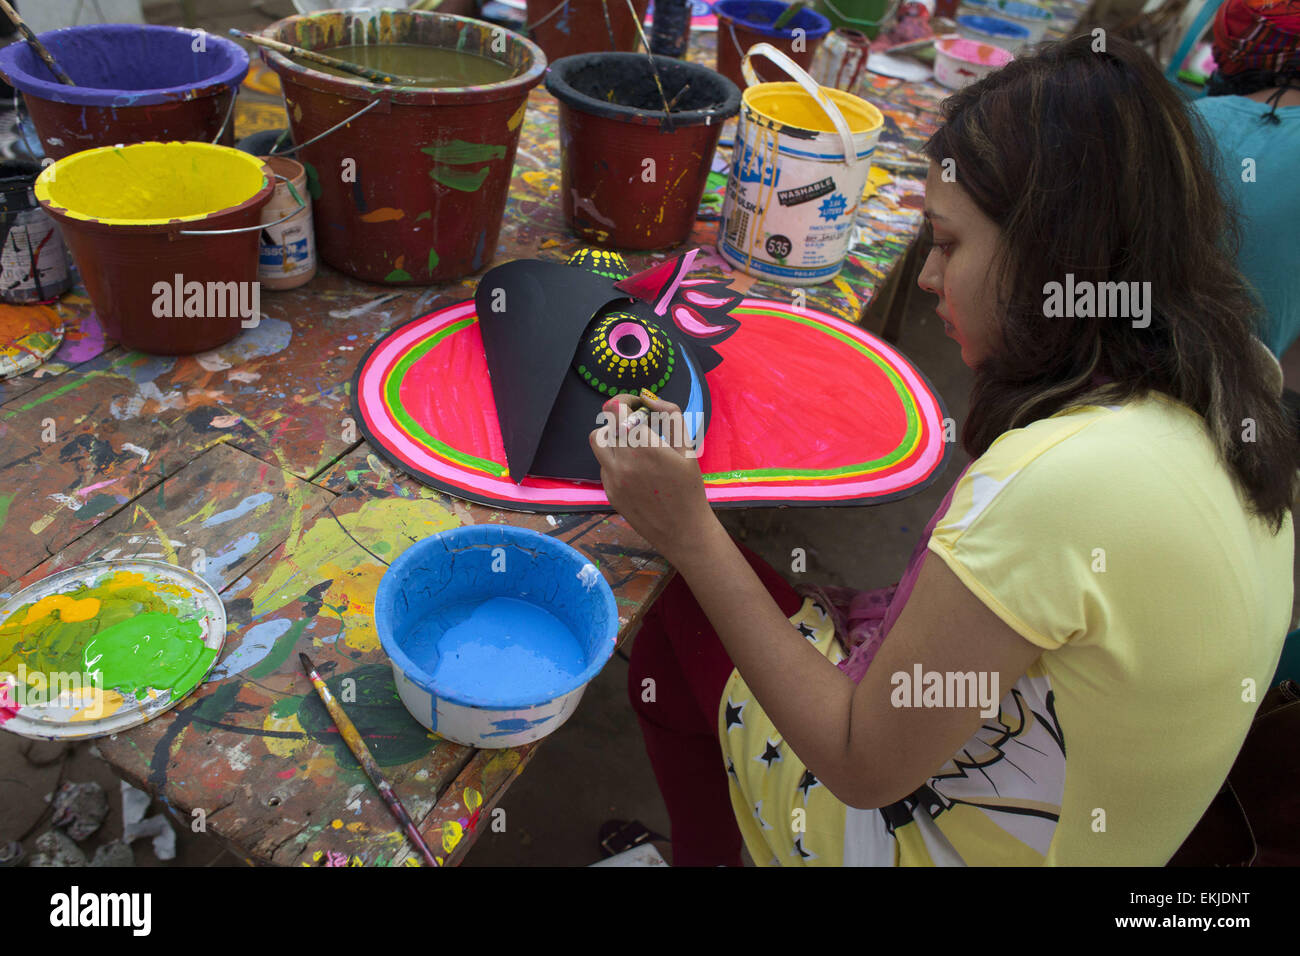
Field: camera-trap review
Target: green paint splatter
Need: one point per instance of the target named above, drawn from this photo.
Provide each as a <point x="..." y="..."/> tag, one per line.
<point x="150" y="650"/>
<point x="398" y="275"/>
<point x="433" y="259"/>
<point x="424" y="215"/>
<point x="4" y="508"/>
<point x="461" y="153"/>
<point x="381" y="719"/>
<point x="121" y="631"/>
<point x="313" y="180"/>
<point x="96" y="505"/>
<point x="455" y="179"/>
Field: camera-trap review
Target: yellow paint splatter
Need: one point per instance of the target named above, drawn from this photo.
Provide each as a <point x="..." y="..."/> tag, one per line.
<point x="102" y="704"/>
<point x="451" y="834"/>
<point x="336" y="824"/>
<point x="503" y="761"/>
<point x="518" y="116"/>
<point x="69" y="609"/>
<point x="384" y="214"/>
<point x="358" y="827"/>
<point x="854" y="309"/>
<point x="324" y="549"/>
<point x="284" y="747"/>
<point x="473" y="799"/>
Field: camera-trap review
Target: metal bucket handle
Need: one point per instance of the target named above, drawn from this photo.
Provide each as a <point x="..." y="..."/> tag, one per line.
<point x="337" y="126"/>
<point x="302" y="204"/>
<point x="811" y="87"/>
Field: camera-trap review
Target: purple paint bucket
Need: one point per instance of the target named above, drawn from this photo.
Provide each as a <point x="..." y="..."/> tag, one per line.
<point x="135" y="84"/>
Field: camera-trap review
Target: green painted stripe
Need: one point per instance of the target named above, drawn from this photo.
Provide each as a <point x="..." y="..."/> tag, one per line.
<point x="393" y="399"/>
<point x="878" y="464"/>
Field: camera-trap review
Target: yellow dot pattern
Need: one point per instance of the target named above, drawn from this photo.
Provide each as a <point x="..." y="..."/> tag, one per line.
<point x="610" y="373"/>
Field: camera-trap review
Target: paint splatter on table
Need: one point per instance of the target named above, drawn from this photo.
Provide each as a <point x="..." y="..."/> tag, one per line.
<point x="244" y="464"/>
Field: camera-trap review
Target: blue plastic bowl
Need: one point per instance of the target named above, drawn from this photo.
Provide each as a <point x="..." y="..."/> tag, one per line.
<point x="431" y="588"/>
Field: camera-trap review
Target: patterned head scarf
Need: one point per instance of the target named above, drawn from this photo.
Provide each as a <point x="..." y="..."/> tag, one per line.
<point x="1259" y="35"/>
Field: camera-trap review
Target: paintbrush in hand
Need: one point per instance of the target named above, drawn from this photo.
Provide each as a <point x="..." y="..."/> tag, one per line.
<point x="359" y="750"/>
<point x="35" y="44"/>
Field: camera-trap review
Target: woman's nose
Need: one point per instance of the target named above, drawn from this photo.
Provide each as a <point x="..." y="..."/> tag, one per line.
<point x="930" y="278"/>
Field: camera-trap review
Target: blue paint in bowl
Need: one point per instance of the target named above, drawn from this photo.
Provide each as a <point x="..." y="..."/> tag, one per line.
<point x="496" y="617"/>
<point x="120" y="64"/>
<point x="992" y="26"/>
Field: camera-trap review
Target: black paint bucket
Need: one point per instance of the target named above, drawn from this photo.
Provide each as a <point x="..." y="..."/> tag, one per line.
<point x="33" y="259"/>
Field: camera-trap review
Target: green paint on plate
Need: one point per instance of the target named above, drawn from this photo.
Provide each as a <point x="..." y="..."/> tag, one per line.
<point x="398" y="275"/>
<point x="433" y="259"/>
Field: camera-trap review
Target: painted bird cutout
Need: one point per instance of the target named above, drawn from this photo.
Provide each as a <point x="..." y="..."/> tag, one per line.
<point x="561" y="339"/>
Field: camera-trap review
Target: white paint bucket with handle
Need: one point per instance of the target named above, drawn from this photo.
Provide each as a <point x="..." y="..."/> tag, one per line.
<point x="800" y="162"/>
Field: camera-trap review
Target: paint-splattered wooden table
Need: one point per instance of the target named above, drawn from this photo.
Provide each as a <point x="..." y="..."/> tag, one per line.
<point x="245" y="465"/>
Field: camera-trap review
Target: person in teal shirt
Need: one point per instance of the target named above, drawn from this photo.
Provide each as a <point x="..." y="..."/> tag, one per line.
<point x="1252" y="111"/>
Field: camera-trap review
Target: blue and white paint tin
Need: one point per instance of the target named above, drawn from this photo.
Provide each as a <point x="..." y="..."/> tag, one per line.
<point x="799" y="165"/>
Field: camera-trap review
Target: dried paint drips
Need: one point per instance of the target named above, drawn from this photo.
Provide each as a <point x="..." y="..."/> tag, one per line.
<point x="122" y="630"/>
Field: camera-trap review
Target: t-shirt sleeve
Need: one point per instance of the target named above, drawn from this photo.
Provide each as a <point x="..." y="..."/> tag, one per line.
<point x="1026" y="546"/>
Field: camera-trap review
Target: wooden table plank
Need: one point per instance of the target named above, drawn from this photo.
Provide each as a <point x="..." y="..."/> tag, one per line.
<point x="218" y="517"/>
<point x="254" y="749"/>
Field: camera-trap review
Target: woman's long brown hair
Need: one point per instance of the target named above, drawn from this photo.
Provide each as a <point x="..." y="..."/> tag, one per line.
<point x="1090" y="164"/>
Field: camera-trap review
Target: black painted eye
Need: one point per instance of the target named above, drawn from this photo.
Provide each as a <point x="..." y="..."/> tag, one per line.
<point x="622" y="352"/>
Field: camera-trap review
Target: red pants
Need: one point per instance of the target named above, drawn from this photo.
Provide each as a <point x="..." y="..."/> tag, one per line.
<point x="679" y="650"/>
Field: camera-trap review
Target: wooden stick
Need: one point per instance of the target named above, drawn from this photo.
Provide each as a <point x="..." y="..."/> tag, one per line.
<point x="788" y="14"/>
<point x="654" y="67"/>
<point x="36" y="44"/>
<point x="352" y="738"/>
<point x="355" y="69"/>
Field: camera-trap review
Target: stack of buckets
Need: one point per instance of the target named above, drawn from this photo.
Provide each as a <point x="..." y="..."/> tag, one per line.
<point x="164" y="224"/>
<point x="799" y="167"/>
<point x="140" y="216"/>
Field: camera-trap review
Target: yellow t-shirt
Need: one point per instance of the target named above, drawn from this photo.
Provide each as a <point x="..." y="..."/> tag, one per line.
<point x="1115" y="540"/>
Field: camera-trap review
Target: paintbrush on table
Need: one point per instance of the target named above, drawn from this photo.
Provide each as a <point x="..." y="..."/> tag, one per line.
<point x="35" y="44"/>
<point x="359" y="750"/>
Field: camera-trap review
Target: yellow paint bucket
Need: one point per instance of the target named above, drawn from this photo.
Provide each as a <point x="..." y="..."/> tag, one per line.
<point x="166" y="238"/>
<point x="799" y="165"/>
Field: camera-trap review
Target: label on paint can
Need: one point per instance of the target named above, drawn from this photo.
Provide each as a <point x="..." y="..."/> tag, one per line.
<point x="33" y="259"/>
<point x="287" y="250"/>
<point x="791" y="200"/>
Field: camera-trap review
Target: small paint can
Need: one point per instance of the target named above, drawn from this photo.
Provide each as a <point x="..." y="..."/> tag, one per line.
<point x="286" y="252"/>
<point x="33" y="259"/>
<point x="800" y="161"/>
<point x="841" y="61"/>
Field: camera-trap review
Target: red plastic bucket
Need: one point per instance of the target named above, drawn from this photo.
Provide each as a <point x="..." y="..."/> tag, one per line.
<point x="410" y="183"/>
<point x="633" y="175"/>
<point x="135" y="84"/>
<point x="568" y="27"/>
<point x="166" y="237"/>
